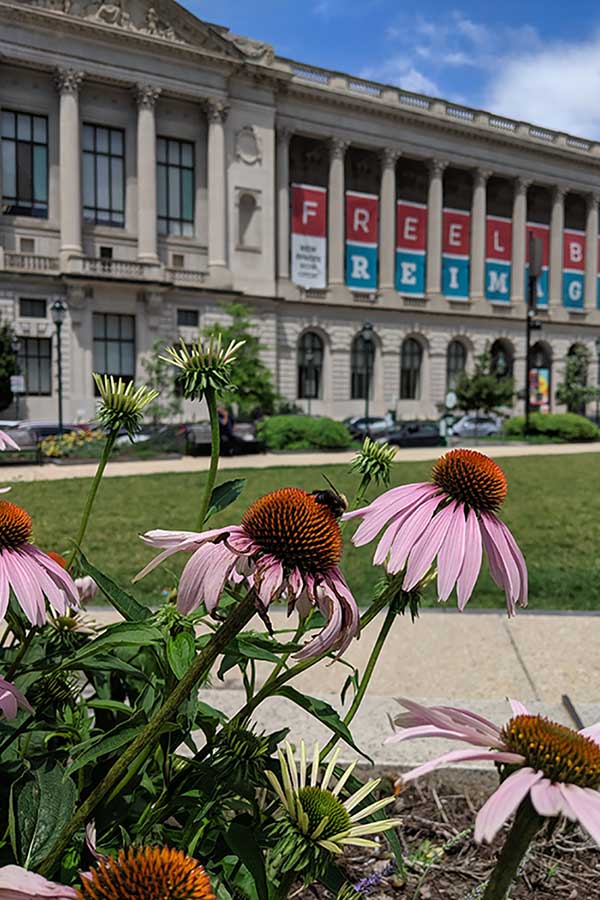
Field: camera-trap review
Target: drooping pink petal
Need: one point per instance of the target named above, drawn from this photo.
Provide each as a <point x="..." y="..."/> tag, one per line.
<point x="585" y="803"/>
<point x="546" y="798"/>
<point x="4" y="588"/>
<point x="451" y="555"/>
<point x="503" y="802"/>
<point x="411" y="532"/>
<point x="29" y="595"/>
<point x="268" y="579"/>
<point x="425" y="549"/>
<point x="60" y="576"/>
<point x="38" y="574"/>
<point x="449" y="718"/>
<point x="471" y="566"/>
<point x="11" y="698"/>
<point x="424" y="731"/>
<point x="336" y="601"/>
<point x="19" y="884"/>
<point x="592" y="731"/>
<point x="519" y="562"/>
<point x="175" y="541"/>
<point x="7" y="443"/>
<point x="204" y="577"/>
<point x="393" y="501"/>
<point x="503" y="567"/>
<point x="518" y="708"/>
<point x="455" y="756"/>
<point x="377" y="514"/>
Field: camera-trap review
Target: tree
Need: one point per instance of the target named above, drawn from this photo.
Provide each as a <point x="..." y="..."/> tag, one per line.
<point x="8" y="364"/>
<point x="254" y="392"/>
<point x="482" y="390"/>
<point x="574" y="391"/>
<point x="160" y="375"/>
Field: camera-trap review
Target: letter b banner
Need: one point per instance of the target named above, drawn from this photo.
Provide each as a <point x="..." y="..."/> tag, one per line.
<point x="362" y="233"/>
<point x="573" y="268"/>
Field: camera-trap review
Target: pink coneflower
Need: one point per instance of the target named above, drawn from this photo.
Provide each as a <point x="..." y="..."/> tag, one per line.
<point x="452" y="518"/>
<point x="20" y="884"/>
<point x="31" y="574"/>
<point x="7" y="443"/>
<point x="289" y="544"/>
<point x="11" y="699"/>
<point x="557" y="767"/>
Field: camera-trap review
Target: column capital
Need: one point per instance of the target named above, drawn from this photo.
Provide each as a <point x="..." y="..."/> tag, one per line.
<point x="284" y="134"/>
<point x="338" y="147"/>
<point x="216" y="110"/>
<point x="67" y="81"/>
<point x="146" y="95"/>
<point x="559" y="192"/>
<point x="593" y="198"/>
<point x="481" y="176"/>
<point x="389" y="157"/>
<point x="437" y="167"/>
<point x="522" y="184"/>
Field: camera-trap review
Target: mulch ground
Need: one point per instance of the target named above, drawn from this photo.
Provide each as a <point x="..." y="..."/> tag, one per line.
<point x="442" y="862"/>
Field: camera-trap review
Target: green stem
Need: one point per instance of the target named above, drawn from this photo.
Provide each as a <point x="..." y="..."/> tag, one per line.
<point x="364" y="683"/>
<point x="526" y="825"/>
<point x="20" y="654"/>
<point x="108" y="445"/>
<point x="215" y="449"/>
<point x="198" y="671"/>
<point x="286" y="882"/>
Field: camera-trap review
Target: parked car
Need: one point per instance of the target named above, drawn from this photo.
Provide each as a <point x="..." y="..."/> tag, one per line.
<point x="377" y="425"/>
<point x="414" y="434"/>
<point x="477" y="426"/>
<point x="243" y="440"/>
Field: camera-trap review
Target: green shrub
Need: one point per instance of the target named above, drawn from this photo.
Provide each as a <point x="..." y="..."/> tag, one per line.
<point x="554" y="426"/>
<point x="303" y="433"/>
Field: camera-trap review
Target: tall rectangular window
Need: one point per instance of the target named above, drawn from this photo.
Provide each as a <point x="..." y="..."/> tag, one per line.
<point x="35" y="362"/>
<point x="24" y="164"/>
<point x="114" y="345"/>
<point x="103" y="175"/>
<point x="175" y="186"/>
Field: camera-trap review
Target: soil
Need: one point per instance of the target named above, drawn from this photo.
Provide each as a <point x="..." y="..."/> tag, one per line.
<point x="443" y="862"/>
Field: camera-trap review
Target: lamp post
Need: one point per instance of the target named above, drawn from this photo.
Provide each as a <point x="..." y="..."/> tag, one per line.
<point x="59" y="312"/>
<point x="366" y="334"/>
<point x="16" y="346"/>
<point x="535" y="268"/>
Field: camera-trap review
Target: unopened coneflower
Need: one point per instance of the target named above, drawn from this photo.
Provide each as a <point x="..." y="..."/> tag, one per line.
<point x="11" y="699"/>
<point x="122" y="405"/>
<point x="451" y="520"/>
<point x="373" y="462"/>
<point x="316" y="822"/>
<point x="203" y="365"/>
<point x="289" y="545"/>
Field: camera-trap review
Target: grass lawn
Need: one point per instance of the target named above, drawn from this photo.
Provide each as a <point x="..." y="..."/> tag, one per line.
<point x="550" y="509"/>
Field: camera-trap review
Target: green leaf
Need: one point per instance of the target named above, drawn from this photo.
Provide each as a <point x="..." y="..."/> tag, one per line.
<point x="224" y="495"/>
<point x="324" y="712"/>
<point x="242" y="840"/>
<point x="41" y="803"/>
<point x="124" y="603"/>
<point x="181" y="651"/>
<point x="119" y="736"/>
<point x="111" y="705"/>
<point x="115" y="637"/>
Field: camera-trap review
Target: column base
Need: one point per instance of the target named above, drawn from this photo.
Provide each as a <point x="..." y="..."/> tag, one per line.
<point x="70" y="259"/>
<point x="148" y="259"/>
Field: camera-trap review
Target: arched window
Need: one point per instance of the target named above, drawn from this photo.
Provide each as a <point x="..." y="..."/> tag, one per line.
<point x="310" y="366"/>
<point x="540" y="377"/>
<point x="411" y="356"/>
<point x="503" y="359"/>
<point x="456" y="361"/>
<point x="248" y="221"/>
<point x="362" y="364"/>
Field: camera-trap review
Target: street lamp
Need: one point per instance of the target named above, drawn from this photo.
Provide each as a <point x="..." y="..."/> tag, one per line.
<point x="16" y="346"/>
<point x="59" y="313"/>
<point x="366" y="334"/>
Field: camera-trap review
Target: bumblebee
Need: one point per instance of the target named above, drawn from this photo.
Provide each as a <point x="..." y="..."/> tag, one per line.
<point x="335" y="502"/>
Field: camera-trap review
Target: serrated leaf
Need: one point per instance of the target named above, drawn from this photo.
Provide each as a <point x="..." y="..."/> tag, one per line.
<point x="41" y="803"/>
<point x="130" y="609"/>
<point x="224" y="495"/>
<point x="324" y="712"/>
<point x="181" y="651"/>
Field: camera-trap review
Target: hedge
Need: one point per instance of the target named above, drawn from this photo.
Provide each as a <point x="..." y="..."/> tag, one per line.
<point x="303" y="433"/>
<point x="554" y="426"/>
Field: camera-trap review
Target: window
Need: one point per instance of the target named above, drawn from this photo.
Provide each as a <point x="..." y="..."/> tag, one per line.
<point x="106" y="252"/>
<point x="114" y="345"/>
<point x="178" y="261"/>
<point x="103" y="175"/>
<point x="35" y="362"/>
<point x="248" y="222"/>
<point x="187" y="318"/>
<point x="502" y="359"/>
<point x="26" y="245"/>
<point x="362" y="363"/>
<point x="175" y="185"/>
<point x="411" y="356"/>
<point x="25" y="164"/>
<point x="32" y="309"/>
<point x="456" y="361"/>
<point x="310" y="366"/>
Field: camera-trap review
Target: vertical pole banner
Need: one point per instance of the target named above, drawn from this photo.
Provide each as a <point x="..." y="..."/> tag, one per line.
<point x="543" y="233"/>
<point x="411" y="244"/>
<point x="598" y="297"/>
<point x="362" y="232"/>
<point x="309" y="236"/>
<point x="573" y="268"/>
<point x="498" y="253"/>
<point x="456" y="244"/>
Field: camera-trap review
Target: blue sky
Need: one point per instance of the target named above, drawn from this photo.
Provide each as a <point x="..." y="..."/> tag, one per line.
<point x="537" y="61"/>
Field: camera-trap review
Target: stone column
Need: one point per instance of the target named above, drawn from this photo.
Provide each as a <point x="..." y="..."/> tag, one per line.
<point x="283" y="202"/>
<point x="146" y="96"/>
<point x="435" y="203"/>
<point x="478" y="233"/>
<point x="591" y="251"/>
<point x="387" y="224"/>
<point x="335" y="224"/>
<point x="216" y="111"/>
<point x="557" y="223"/>
<point x="519" y="241"/>
<point x="67" y="83"/>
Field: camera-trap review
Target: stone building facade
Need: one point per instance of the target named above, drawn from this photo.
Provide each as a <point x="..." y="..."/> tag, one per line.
<point x="156" y="168"/>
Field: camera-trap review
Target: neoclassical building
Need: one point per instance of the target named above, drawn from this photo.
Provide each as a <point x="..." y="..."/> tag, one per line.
<point x="156" y="168"/>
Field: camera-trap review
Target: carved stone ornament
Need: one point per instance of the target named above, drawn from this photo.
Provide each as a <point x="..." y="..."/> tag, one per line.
<point x="113" y="12"/>
<point x="68" y="80"/>
<point x="146" y="95"/>
<point x="247" y="148"/>
<point x="482" y="176"/>
<point x="522" y="184"/>
<point x="254" y="50"/>
<point x="559" y="192"/>
<point x="216" y="110"/>
<point x="390" y="156"/>
<point x="338" y="147"/>
<point x="437" y="167"/>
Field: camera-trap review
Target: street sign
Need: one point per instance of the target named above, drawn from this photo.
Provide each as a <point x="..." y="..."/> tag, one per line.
<point x="17" y="384"/>
<point x="451" y="399"/>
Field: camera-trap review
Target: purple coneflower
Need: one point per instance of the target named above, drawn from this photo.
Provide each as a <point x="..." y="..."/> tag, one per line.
<point x="452" y="518"/>
<point x="31" y="574"/>
<point x="19" y="884"/>
<point x="288" y="544"/>
<point x="11" y="699"/>
<point x="557" y="767"/>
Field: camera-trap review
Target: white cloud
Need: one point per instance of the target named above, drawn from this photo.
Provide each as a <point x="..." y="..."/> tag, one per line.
<point x="399" y="71"/>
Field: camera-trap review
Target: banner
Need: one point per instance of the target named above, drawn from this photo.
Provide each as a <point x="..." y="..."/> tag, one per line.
<point x="362" y="234"/>
<point x="573" y="268"/>
<point x="543" y="232"/>
<point x="498" y="251"/>
<point x="456" y="244"/>
<point x="309" y="236"/>
<point x="411" y="245"/>
<point x="539" y="389"/>
<point x="598" y="298"/>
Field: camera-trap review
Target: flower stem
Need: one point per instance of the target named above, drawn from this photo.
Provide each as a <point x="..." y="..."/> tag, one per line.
<point x="25" y="642"/>
<point x="130" y="758"/>
<point x="526" y="825"/>
<point x="215" y="449"/>
<point x="108" y="445"/>
<point x="286" y="882"/>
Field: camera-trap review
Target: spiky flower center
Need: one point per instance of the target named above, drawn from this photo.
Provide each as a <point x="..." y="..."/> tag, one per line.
<point x="471" y="478"/>
<point x="15" y="525"/>
<point x="559" y="752"/>
<point x="319" y="805"/>
<point x="147" y="873"/>
<point x="293" y="526"/>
